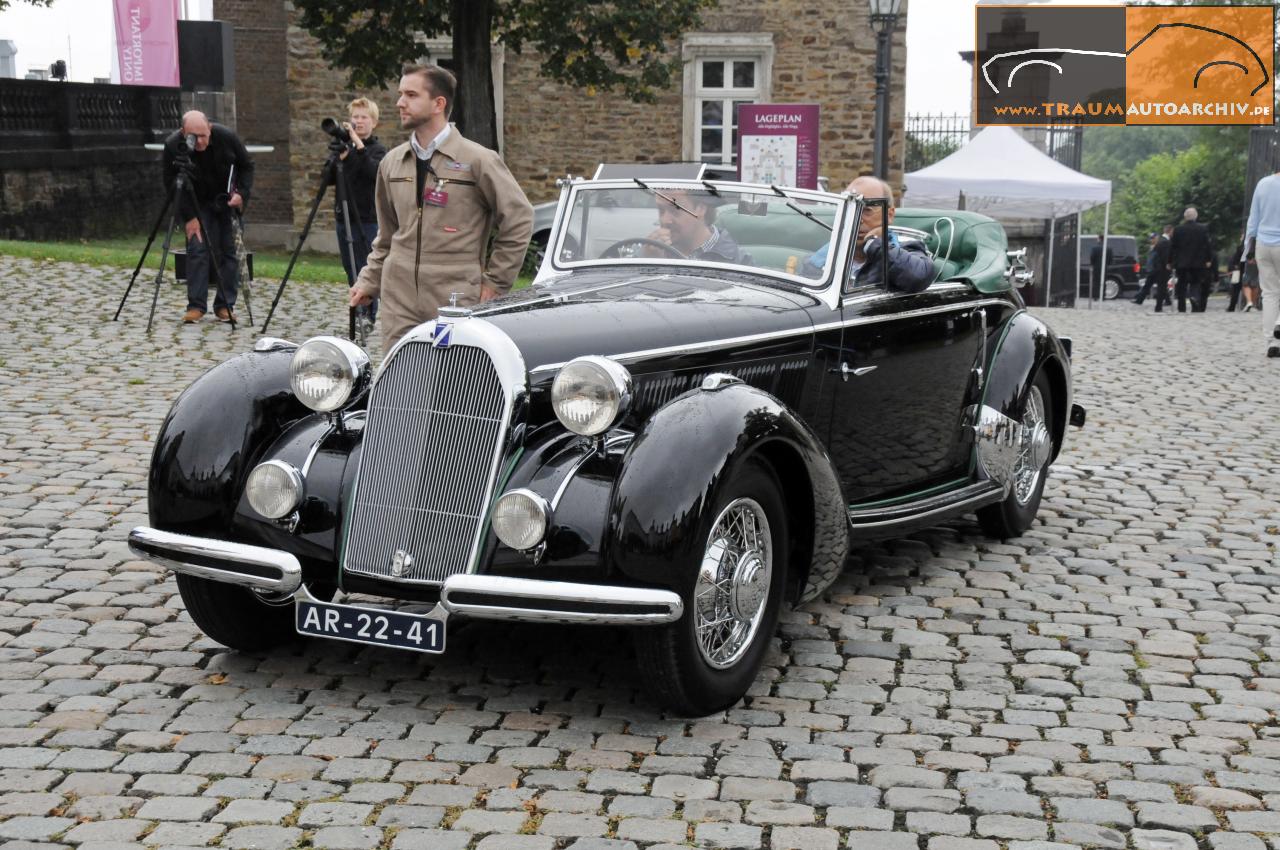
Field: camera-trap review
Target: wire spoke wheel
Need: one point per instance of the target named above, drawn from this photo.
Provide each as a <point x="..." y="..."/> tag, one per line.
<point x="733" y="583"/>
<point x="1035" y="442"/>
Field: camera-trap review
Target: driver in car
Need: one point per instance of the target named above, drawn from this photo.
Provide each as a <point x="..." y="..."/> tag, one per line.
<point x="686" y="222"/>
<point x="910" y="268"/>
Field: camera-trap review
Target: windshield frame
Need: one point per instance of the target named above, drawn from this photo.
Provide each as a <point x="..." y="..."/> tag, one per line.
<point x="848" y="209"/>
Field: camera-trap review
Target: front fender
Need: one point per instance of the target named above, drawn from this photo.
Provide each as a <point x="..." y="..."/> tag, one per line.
<point x="210" y="438"/>
<point x="1026" y="346"/>
<point x="678" y="464"/>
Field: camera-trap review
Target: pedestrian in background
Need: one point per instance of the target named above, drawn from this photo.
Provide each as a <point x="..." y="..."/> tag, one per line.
<point x="1191" y="253"/>
<point x="1157" y="270"/>
<point x="1263" y="231"/>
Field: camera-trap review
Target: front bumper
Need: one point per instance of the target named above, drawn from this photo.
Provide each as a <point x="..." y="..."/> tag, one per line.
<point x="487" y="597"/>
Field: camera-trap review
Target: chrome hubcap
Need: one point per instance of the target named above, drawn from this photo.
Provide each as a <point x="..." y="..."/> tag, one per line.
<point x="732" y="588"/>
<point x="1111" y="290"/>
<point x="1034" y="452"/>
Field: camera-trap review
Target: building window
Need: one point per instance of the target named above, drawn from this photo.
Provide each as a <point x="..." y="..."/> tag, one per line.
<point x="722" y="71"/>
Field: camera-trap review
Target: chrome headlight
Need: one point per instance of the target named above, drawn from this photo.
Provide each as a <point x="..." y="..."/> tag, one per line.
<point x="274" y="489"/>
<point x="520" y="519"/>
<point x="590" y="394"/>
<point x="327" y="371"/>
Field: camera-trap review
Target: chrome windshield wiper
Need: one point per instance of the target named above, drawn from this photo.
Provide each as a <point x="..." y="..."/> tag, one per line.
<point x="808" y="215"/>
<point x="667" y="198"/>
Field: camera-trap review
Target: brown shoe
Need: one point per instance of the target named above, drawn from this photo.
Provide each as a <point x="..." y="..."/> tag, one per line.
<point x="224" y="314"/>
<point x="192" y="316"/>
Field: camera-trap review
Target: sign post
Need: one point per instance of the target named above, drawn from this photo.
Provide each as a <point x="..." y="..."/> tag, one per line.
<point x="778" y="144"/>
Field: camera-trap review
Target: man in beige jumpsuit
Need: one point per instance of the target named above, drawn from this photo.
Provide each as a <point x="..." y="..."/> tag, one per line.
<point x="438" y="198"/>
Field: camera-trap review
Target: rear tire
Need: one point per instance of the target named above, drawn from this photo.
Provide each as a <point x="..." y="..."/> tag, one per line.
<point x="1111" y="288"/>
<point x="236" y="616"/>
<point x="1015" y="514"/>
<point x="706" y="661"/>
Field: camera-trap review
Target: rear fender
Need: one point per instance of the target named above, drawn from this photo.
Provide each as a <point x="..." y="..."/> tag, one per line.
<point x="1026" y="347"/>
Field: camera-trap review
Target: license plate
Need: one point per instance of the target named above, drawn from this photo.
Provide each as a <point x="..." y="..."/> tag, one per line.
<point x="418" y="632"/>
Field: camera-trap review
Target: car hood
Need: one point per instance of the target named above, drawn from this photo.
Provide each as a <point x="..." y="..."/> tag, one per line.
<point x="620" y="314"/>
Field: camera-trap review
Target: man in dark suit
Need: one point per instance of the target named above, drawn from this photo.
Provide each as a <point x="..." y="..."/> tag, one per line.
<point x="1191" y="254"/>
<point x="1157" y="269"/>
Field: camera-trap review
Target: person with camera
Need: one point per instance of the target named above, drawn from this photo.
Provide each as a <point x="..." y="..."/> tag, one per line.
<point x="219" y="172"/>
<point x="361" y="153"/>
<point x="440" y="198"/>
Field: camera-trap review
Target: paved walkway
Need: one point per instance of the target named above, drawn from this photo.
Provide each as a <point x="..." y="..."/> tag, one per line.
<point x="1110" y="680"/>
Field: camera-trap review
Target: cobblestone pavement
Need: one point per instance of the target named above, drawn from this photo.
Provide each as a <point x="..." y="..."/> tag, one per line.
<point x="1109" y="680"/>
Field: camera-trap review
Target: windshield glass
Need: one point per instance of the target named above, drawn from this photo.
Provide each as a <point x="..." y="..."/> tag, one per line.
<point x="700" y="223"/>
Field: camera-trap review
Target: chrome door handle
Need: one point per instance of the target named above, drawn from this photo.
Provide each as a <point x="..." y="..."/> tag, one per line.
<point x="845" y="371"/>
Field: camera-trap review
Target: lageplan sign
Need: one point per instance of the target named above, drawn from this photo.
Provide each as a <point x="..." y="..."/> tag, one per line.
<point x="1125" y="65"/>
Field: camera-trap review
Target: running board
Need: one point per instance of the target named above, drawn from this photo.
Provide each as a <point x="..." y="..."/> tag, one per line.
<point x="922" y="513"/>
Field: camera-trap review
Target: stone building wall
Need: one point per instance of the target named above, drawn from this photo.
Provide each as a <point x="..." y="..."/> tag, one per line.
<point x="824" y="53"/>
<point x="262" y="112"/>
<point x="69" y="195"/>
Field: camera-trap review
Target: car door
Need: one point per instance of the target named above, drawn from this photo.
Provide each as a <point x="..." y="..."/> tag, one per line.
<point x="905" y="368"/>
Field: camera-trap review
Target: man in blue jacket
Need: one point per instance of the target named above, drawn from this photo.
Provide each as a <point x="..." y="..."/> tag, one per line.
<point x="910" y="267"/>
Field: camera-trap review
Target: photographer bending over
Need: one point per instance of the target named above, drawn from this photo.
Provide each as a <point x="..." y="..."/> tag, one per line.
<point x="221" y="172"/>
<point x="360" y="157"/>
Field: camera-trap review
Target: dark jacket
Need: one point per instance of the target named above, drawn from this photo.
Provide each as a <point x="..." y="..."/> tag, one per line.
<point x="1158" y="259"/>
<point x="361" y="170"/>
<point x="722" y="250"/>
<point x="1095" y="256"/>
<point x="910" y="268"/>
<point x="1190" y="246"/>
<point x="213" y="168"/>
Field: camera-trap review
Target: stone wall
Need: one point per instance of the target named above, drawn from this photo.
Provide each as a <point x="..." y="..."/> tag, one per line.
<point x="262" y="112"/>
<point x="69" y="195"/>
<point x="824" y="53"/>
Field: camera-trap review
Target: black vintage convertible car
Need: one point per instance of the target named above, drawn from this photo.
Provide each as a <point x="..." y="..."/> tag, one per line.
<point x="680" y="446"/>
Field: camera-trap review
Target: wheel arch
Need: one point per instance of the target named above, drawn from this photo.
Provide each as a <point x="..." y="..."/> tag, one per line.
<point x="211" y="436"/>
<point x="656" y="518"/>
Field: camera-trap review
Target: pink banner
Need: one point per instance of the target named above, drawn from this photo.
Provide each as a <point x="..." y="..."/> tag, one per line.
<point x="147" y="42"/>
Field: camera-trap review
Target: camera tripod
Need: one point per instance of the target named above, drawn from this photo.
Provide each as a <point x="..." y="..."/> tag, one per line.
<point x="333" y="173"/>
<point x="181" y="184"/>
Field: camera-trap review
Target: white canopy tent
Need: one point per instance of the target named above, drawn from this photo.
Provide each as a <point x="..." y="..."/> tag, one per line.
<point x="1002" y="174"/>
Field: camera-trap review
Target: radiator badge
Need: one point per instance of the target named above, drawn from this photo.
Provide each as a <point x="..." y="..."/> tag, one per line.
<point x="400" y="563"/>
<point x="441" y="335"/>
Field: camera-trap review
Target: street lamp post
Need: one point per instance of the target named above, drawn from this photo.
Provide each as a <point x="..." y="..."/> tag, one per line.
<point x="884" y="20"/>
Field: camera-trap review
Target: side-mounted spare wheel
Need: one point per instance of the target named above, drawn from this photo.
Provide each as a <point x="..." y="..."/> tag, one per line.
<point x="705" y="661"/>
<point x="1017" y="511"/>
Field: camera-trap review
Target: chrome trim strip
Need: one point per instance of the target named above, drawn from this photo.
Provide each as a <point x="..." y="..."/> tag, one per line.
<point x="272" y="343"/>
<point x="315" y="450"/>
<point x="559" y="591"/>
<point x="177" y="548"/>
<point x="713" y="345"/>
<point x="972" y="496"/>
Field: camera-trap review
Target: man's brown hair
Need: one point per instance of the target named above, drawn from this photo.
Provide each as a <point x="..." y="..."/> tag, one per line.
<point x="440" y="82"/>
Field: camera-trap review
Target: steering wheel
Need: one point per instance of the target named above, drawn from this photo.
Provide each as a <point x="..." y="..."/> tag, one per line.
<point x="615" y="250"/>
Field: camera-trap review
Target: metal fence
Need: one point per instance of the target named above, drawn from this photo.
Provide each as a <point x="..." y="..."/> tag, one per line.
<point x="934" y="137"/>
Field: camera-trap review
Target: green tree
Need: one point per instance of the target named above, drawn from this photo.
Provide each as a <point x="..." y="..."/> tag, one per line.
<point x="4" y="4"/>
<point x="623" y="47"/>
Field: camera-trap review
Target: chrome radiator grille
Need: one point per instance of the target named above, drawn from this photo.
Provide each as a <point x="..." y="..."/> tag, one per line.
<point x="437" y="418"/>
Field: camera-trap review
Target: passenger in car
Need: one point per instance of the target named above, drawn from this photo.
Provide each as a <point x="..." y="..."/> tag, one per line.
<point x="910" y="267"/>
<point x="686" y="222"/>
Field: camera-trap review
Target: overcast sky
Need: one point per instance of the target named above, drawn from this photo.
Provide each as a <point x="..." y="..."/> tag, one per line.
<point x="938" y="81"/>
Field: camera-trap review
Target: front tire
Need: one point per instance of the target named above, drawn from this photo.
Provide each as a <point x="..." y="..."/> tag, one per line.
<point x="706" y="661"/>
<point x="1015" y="514"/>
<point x="236" y="616"/>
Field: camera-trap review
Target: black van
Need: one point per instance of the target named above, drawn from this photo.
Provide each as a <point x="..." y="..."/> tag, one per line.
<point x="1123" y="272"/>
